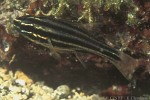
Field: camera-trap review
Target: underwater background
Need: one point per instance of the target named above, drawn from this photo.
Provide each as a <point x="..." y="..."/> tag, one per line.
<point x="27" y="71"/>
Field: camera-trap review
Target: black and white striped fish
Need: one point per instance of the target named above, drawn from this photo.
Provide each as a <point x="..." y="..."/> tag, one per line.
<point x="60" y="35"/>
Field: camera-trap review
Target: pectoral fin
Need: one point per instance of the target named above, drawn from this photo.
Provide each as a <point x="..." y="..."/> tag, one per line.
<point x="53" y="52"/>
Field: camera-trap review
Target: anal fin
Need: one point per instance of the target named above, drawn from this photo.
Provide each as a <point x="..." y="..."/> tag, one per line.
<point x="82" y="63"/>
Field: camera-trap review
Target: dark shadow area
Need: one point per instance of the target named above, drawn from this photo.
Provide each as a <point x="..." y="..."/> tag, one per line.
<point x="37" y="64"/>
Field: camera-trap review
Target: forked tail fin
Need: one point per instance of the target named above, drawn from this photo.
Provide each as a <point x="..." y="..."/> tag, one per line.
<point x="127" y="65"/>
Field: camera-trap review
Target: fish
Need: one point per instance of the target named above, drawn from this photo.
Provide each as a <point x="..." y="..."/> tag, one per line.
<point x="62" y="36"/>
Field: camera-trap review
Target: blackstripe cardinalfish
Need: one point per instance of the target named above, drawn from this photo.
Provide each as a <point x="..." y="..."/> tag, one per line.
<point x="57" y="34"/>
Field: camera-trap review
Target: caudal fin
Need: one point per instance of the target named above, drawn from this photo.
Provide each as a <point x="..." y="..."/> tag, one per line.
<point x="127" y="65"/>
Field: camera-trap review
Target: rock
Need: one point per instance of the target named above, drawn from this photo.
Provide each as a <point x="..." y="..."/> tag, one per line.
<point x="20" y="82"/>
<point x="63" y="90"/>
